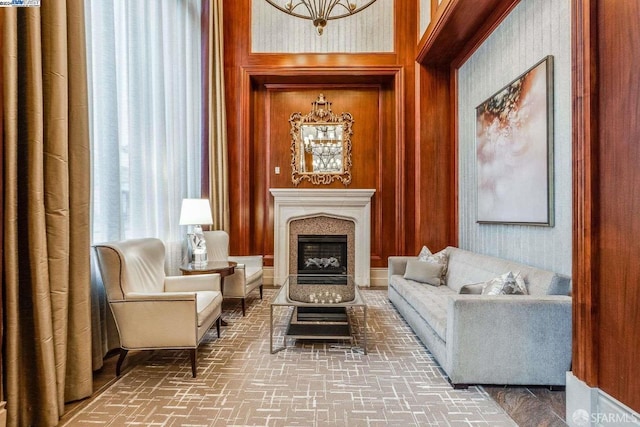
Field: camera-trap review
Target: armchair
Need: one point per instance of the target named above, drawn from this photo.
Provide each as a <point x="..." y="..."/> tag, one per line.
<point x="248" y="272"/>
<point x="151" y="310"/>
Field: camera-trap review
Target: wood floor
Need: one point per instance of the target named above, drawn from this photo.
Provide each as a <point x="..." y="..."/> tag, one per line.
<point x="527" y="406"/>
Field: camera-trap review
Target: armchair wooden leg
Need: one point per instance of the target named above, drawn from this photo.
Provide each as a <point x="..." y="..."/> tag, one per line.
<point x="242" y="307"/>
<point x="194" y="362"/>
<point x="260" y="291"/>
<point x="218" y="323"/>
<point x="123" y="354"/>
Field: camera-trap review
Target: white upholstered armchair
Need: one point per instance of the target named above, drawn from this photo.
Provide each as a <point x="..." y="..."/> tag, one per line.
<point x="248" y="272"/>
<point x="151" y="310"/>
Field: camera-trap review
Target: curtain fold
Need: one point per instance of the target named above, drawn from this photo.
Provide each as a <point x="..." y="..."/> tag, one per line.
<point x="217" y="121"/>
<point x="46" y="215"/>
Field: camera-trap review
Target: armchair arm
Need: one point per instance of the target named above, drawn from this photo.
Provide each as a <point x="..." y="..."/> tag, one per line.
<point x="508" y="339"/>
<point x="192" y="283"/>
<point x="398" y="264"/>
<point x="249" y="261"/>
<point x="169" y="321"/>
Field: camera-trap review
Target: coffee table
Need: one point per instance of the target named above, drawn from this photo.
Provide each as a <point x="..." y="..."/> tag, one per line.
<point x="319" y="308"/>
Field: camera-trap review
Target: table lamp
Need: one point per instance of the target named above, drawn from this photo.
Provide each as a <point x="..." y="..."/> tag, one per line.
<point x="196" y="212"/>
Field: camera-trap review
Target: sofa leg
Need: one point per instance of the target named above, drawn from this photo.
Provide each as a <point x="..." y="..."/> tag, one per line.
<point x="556" y="388"/>
<point x="243" y="308"/>
<point x="123" y="354"/>
<point x="460" y="386"/>
<point x="260" y="291"/>
<point x="194" y="361"/>
<point x="218" y="323"/>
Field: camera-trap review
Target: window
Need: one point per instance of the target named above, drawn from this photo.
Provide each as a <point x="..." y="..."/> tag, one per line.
<point x="145" y="82"/>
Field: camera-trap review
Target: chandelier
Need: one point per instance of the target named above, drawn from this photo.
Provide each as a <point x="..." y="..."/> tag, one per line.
<point x="320" y="11"/>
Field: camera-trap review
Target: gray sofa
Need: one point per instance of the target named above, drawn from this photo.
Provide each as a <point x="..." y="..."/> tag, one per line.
<point x="481" y="339"/>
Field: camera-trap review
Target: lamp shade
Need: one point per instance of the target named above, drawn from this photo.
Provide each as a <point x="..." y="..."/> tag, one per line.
<point x="195" y="212"/>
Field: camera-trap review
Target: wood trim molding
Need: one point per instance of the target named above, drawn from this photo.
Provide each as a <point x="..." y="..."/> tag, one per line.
<point x="274" y="78"/>
<point x="585" y="140"/>
<point x="459" y="27"/>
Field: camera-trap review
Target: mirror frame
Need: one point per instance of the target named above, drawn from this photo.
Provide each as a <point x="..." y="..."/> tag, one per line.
<point x="320" y="115"/>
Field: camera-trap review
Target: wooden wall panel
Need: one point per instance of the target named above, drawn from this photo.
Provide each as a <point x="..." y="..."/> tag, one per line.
<point x="436" y="199"/>
<point x="585" y="125"/>
<point x="618" y="246"/>
<point x="373" y="110"/>
<point x="379" y="89"/>
<point x="363" y="104"/>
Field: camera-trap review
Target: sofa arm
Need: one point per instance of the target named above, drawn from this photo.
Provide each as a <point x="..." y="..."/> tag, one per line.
<point x="508" y="339"/>
<point x="398" y="264"/>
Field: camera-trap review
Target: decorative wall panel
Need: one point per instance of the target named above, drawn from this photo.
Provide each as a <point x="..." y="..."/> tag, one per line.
<point x="533" y="30"/>
<point x="370" y="30"/>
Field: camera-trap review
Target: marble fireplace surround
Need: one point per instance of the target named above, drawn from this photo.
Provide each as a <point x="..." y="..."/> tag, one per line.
<point x="347" y="204"/>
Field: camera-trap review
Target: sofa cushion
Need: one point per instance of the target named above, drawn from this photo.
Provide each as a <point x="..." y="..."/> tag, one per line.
<point x="469" y="267"/>
<point x="472" y="288"/>
<point x="506" y="284"/>
<point x="440" y="258"/>
<point x="430" y="301"/>
<point x="424" y="272"/>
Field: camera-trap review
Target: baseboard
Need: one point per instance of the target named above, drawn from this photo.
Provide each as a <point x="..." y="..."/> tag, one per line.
<point x="378" y="277"/>
<point x="267" y="276"/>
<point x="588" y="406"/>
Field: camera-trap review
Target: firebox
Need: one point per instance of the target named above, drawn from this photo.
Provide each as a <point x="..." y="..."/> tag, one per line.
<point x="322" y="254"/>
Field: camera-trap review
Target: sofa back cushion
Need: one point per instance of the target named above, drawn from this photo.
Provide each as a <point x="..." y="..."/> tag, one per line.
<point x="469" y="267"/>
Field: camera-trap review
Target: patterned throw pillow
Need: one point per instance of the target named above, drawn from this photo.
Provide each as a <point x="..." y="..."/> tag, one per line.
<point x="507" y="284"/>
<point x="440" y="258"/>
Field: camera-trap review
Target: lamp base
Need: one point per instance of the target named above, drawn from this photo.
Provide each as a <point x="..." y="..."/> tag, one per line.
<point x="198" y="247"/>
<point x="199" y="259"/>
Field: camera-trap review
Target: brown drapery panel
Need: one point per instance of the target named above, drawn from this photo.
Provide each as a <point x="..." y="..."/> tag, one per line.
<point x="217" y="120"/>
<point x="45" y="258"/>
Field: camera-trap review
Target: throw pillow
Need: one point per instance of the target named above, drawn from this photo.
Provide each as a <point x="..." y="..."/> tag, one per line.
<point x="440" y="258"/>
<point x="472" y="288"/>
<point x="507" y="284"/>
<point x="424" y="272"/>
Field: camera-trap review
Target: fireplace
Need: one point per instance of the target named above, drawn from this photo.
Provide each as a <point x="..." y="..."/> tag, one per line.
<point x="322" y="254"/>
<point x="321" y="211"/>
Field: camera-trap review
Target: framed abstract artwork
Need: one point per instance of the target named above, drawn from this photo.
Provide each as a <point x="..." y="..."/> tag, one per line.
<point x="514" y="149"/>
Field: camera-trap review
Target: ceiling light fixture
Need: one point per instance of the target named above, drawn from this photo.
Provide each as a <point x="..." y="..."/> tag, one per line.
<point x="320" y="11"/>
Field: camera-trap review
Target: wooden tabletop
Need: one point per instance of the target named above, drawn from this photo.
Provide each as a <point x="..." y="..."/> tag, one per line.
<point x="224" y="268"/>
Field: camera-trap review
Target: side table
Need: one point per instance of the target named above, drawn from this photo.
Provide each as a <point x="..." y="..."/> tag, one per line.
<point x="223" y="268"/>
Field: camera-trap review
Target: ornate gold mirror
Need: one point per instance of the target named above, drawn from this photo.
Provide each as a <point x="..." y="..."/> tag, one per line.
<point x="321" y="145"/>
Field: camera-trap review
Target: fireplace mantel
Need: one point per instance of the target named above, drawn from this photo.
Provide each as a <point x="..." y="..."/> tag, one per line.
<point x="350" y="204"/>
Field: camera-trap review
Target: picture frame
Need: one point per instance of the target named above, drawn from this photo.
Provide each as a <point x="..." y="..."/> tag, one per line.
<point x="514" y="151"/>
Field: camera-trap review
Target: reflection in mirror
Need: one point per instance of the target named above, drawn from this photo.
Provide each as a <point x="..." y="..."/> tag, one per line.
<point x="321" y="145"/>
<point x="322" y="148"/>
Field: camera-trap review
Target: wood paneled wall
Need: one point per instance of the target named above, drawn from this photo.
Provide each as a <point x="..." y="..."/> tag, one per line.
<point x="374" y="164"/>
<point x="379" y="90"/>
<point x="607" y="225"/>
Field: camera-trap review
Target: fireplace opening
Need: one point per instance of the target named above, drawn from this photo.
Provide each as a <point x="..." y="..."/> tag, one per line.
<point x="322" y="254"/>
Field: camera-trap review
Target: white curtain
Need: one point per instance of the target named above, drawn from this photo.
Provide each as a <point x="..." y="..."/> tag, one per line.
<point x="145" y="83"/>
